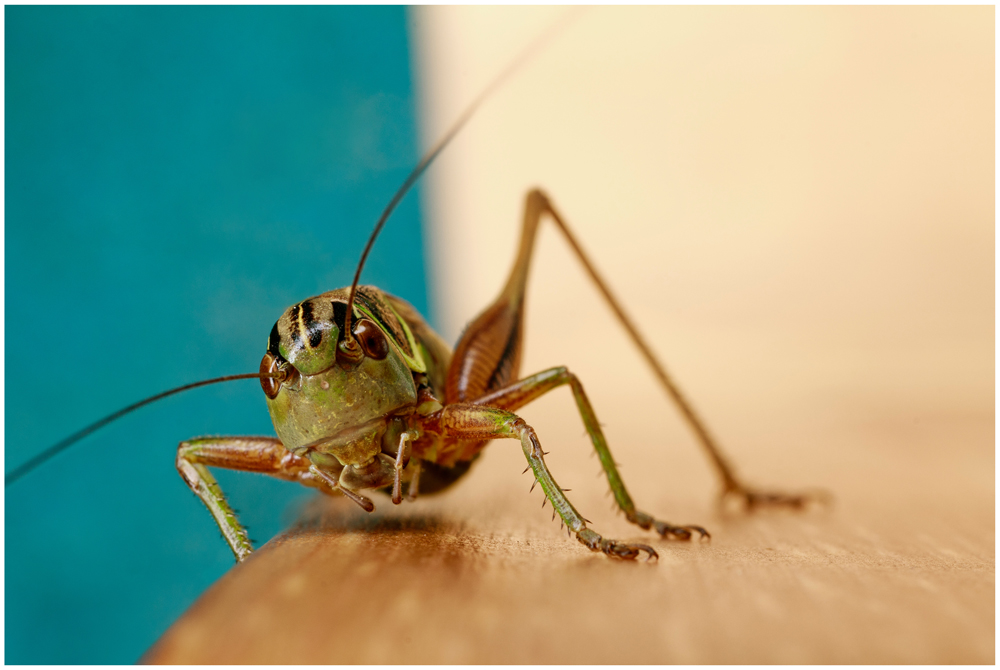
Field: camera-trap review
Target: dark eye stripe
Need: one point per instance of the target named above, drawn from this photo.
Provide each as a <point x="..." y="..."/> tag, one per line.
<point x="339" y="314"/>
<point x="273" y="340"/>
<point x="310" y="326"/>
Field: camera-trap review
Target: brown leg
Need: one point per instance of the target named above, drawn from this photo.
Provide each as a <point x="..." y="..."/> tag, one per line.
<point x="402" y="458"/>
<point x="487" y="356"/>
<point x="253" y="454"/>
<point x="414" y="490"/>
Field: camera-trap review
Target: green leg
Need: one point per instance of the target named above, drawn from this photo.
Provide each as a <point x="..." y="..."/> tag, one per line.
<point x="254" y="454"/>
<point x="523" y="392"/>
<point x="476" y="422"/>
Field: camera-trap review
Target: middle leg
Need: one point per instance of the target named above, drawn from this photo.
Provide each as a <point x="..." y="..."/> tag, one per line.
<point x="528" y="389"/>
<point x="476" y="422"/>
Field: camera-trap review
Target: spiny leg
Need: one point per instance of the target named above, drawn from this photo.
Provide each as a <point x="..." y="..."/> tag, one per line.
<point x="483" y="423"/>
<point x="253" y="454"/>
<point x="528" y="389"/>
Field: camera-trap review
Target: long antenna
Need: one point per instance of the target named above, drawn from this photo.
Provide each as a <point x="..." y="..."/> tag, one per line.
<point x="62" y="445"/>
<point x="23" y="469"/>
<point x="433" y="152"/>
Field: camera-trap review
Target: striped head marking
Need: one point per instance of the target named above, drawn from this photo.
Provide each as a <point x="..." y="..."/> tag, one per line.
<point x="306" y="335"/>
<point x="325" y="398"/>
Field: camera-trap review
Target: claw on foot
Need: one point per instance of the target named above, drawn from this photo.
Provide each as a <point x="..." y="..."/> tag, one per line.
<point x="684" y="533"/>
<point x="753" y="500"/>
<point x="628" y="552"/>
<point x="614" y="548"/>
<point x="668" y="531"/>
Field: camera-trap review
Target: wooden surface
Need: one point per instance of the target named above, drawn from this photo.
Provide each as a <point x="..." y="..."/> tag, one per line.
<point x="797" y="206"/>
<point x="900" y="571"/>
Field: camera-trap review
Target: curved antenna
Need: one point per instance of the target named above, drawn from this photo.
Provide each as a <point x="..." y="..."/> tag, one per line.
<point x="433" y="152"/>
<point x="62" y="445"/>
<point x="23" y="469"/>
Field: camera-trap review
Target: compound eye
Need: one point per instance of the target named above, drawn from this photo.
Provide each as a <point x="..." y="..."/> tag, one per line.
<point x="271" y="385"/>
<point x="372" y="339"/>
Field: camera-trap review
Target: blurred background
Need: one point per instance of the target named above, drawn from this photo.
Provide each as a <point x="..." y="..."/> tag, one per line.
<point x="780" y="191"/>
<point x="796" y="205"/>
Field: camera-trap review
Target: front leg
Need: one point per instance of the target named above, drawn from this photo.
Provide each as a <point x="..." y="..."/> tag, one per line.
<point x="251" y="454"/>
<point x="473" y="422"/>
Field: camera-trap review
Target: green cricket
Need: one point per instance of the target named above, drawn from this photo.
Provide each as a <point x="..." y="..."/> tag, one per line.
<point x="365" y="396"/>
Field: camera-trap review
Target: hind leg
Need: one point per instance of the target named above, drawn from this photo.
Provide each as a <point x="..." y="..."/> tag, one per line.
<point x="487" y="356"/>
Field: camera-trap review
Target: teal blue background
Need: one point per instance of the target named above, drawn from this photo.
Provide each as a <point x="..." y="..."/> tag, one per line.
<point x="175" y="178"/>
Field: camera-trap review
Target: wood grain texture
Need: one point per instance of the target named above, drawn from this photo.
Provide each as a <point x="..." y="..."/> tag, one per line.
<point x="900" y="571"/>
<point x="797" y="207"/>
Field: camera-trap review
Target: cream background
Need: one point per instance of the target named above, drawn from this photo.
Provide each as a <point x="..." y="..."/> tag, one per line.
<point x="795" y="204"/>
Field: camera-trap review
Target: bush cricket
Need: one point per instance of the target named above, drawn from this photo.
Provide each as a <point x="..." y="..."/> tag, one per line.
<point x="139" y="439"/>
<point x="364" y="395"/>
